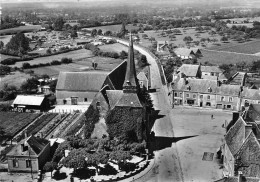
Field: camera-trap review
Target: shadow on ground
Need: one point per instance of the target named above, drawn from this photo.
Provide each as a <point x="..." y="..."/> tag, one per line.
<point x="84" y="173"/>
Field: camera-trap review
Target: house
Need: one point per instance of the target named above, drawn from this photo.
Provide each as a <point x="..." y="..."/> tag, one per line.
<point x="250" y="96"/>
<point x="205" y="93"/>
<point x="190" y="70"/>
<point x="29" y="155"/>
<point x="162" y="46"/>
<point x="239" y="178"/>
<point x="185" y="53"/>
<point x="143" y="80"/>
<point x="121" y="106"/>
<point x="242" y="149"/>
<point x="76" y="88"/>
<point x="211" y="71"/>
<point x="24" y="103"/>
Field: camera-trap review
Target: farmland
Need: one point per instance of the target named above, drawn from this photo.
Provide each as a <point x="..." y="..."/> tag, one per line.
<point x="12" y="122"/>
<point x="27" y="28"/>
<point x="114" y="28"/>
<point x="105" y="64"/>
<point x="15" y="78"/>
<point x="251" y="47"/>
<point x="78" y="54"/>
<point x="113" y="48"/>
<point x="220" y="57"/>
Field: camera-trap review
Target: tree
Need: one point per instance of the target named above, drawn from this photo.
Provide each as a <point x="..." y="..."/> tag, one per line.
<point x="93" y="32"/>
<point x="58" y="24"/>
<point x="18" y="43"/>
<point x="123" y="30"/>
<point x="50" y="166"/>
<point x="187" y="39"/>
<point x="73" y="34"/>
<point x="224" y="39"/>
<point x="26" y="65"/>
<point x="1" y="45"/>
<point x="123" y="55"/>
<point x="99" y="32"/>
<point x="9" y="92"/>
<point x="30" y="85"/>
<point x="176" y="31"/>
<point x="52" y="85"/>
<point x="48" y="51"/>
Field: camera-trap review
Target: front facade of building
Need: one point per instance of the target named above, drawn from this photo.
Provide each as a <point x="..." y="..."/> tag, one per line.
<point x="29" y="155"/>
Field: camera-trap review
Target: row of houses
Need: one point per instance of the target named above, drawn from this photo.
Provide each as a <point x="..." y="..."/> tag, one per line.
<point x="241" y="149"/>
<point x="206" y="86"/>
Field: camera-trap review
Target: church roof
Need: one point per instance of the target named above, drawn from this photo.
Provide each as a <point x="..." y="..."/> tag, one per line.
<point x="114" y="96"/>
<point x="129" y="100"/>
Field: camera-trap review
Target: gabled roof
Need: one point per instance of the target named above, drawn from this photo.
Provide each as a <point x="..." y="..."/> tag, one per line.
<point x="251" y="94"/>
<point x="35" y="146"/>
<point x="32" y="100"/>
<point x="252" y="113"/>
<point x="203" y="85"/>
<point x="81" y="81"/>
<point x="142" y="76"/>
<point x="211" y="69"/>
<point x="189" y="70"/>
<point x="237" y="78"/>
<point x="184" y="52"/>
<point x="235" y="136"/>
<point x="114" y="96"/>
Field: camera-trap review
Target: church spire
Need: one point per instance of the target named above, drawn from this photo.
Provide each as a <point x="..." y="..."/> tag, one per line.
<point x="131" y="83"/>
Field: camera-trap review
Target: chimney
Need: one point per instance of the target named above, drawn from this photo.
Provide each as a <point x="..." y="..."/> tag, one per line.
<point x="40" y="135"/>
<point x="23" y="147"/>
<point x="240" y="176"/>
<point x="248" y="129"/>
<point x="25" y="134"/>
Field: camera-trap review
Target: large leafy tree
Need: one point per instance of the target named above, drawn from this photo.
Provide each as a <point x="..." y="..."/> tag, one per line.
<point x="50" y="166"/>
<point x="58" y="24"/>
<point x="18" y="43"/>
<point x="30" y="85"/>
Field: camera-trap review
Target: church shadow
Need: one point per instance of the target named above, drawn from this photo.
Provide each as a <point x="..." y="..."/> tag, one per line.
<point x="154" y="115"/>
<point x="84" y="173"/>
<point x="160" y="143"/>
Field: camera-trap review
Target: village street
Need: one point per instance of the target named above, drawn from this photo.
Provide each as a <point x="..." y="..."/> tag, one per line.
<point x="182" y="137"/>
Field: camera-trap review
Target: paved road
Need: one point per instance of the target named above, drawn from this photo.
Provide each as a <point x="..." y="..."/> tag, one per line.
<point x="167" y="167"/>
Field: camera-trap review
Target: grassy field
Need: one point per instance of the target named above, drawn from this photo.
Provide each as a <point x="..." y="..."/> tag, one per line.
<point x="16" y="78"/>
<point x="2" y="57"/>
<point x="29" y="28"/>
<point x="78" y="54"/>
<point x="220" y="57"/>
<point x="114" y="28"/>
<point x="179" y="38"/>
<point x="251" y="47"/>
<point x="105" y="64"/>
<point x="113" y="48"/>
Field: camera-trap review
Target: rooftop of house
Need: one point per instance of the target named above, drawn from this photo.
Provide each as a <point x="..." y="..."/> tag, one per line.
<point x="32" y="100"/>
<point x="205" y="86"/>
<point x="189" y="70"/>
<point x="211" y="69"/>
<point x="35" y="145"/>
<point x="184" y="51"/>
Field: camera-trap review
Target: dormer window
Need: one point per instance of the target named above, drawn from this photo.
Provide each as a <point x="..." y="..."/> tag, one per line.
<point x="209" y="89"/>
<point x="188" y="88"/>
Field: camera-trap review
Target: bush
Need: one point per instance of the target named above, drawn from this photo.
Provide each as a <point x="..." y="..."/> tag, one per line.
<point x="9" y="61"/>
<point x="55" y="62"/>
<point x="66" y="60"/>
<point x="26" y="65"/>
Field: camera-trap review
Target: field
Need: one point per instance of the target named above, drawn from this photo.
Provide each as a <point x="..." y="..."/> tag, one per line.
<point x="78" y="54"/>
<point x="104" y="64"/>
<point x="15" y="78"/>
<point x="114" y="28"/>
<point x="251" y="47"/>
<point x="179" y="38"/>
<point x="2" y="57"/>
<point x="113" y="48"/>
<point x="12" y="122"/>
<point x="220" y="57"/>
<point x="5" y="38"/>
<point x="27" y="28"/>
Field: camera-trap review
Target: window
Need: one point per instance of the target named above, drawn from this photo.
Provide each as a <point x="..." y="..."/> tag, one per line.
<point x="222" y="98"/>
<point x="209" y="89"/>
<point x="212" y="74"/>
<point x="217" y="74"/>
<point x="230" y="99"/>
<point x="208" y="104"/>
<point x="187" y="95"/>
<point x="141" y="83"/>
<point x="228" y="106"/>
<point x="85" y="99"/>
<point x="180" y="94"/>
<point x="15" y="163"/>
<point x="194" y="96"/>
<point x="201" y="96"/>
<point x="176" y="94"/>
<point x="28" y="163"/>
<point x="208" y="97"/>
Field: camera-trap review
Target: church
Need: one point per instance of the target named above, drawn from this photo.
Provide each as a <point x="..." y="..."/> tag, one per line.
<point x="123" y="110"/>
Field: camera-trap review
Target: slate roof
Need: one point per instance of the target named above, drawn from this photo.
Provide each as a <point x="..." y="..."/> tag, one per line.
<point x="253" y="94"/>
<point x="189" y="70"/>
<point x="211" y="69"/>
<point x="184" y="51"/>
<point x="32" y="100"/>
<point x="81" y="81"/>
<point x="142" y="76"/>
<point x="237" y="78"/>
<point x="114" y="96"/>
<point x="253" y="170"/>
<point x="235" y="136"/>
<point x="35" y="147"/>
